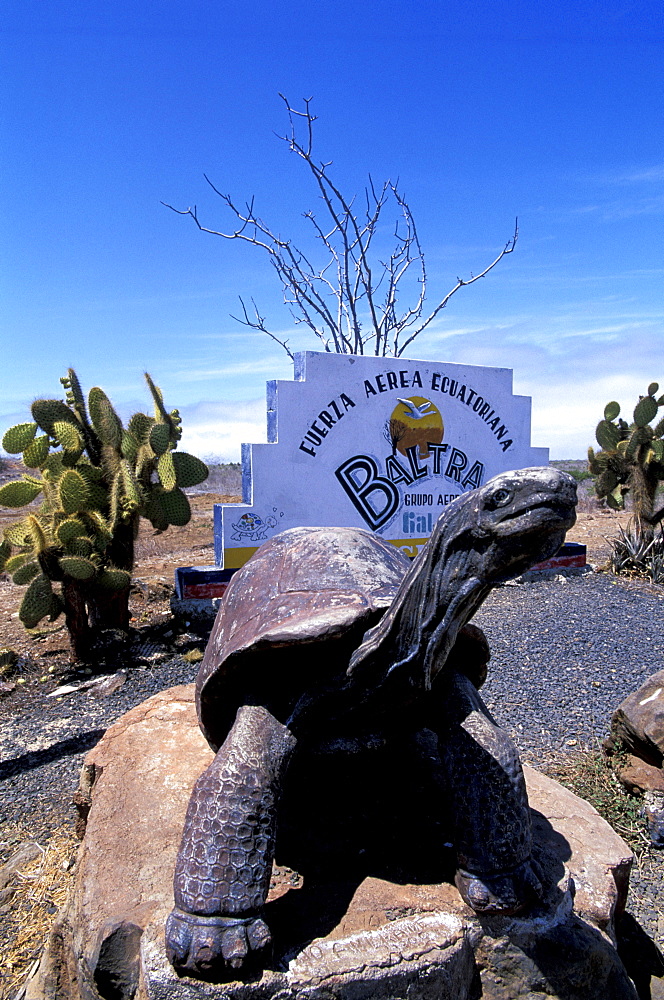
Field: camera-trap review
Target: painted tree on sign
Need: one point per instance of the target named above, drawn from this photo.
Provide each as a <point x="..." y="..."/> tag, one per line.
<point x="351" y="302"/>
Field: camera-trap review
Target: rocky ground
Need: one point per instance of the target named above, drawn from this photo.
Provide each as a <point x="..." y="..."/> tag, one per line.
<point x="581" y="647"/>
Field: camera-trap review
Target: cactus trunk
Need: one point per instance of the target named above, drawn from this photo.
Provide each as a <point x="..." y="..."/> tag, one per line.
<point x="76" y="619"/>
<point x="644" y="488"/>
<point x="110" y="608"/>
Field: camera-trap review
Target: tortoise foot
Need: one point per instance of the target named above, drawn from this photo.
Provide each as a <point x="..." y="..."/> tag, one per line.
<point x="198" y="945"/>
<point x="507" y="893"/>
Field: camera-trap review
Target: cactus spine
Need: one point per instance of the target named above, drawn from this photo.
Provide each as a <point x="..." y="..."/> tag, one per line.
<point x="632" y="458"/>
<point x="97" y="479"/>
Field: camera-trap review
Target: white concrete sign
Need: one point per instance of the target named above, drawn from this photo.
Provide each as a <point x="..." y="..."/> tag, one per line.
<point x="378" y="443"/>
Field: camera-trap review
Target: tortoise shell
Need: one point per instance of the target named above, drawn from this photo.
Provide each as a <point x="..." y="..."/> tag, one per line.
<point x="303" y="588"/>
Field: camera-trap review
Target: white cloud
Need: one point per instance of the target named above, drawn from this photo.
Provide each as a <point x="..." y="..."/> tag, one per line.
<point x="216" y="430"/>
<point x="571" y="365"/>
<point x="638" y="175"/>
<point x="564" y="416"/>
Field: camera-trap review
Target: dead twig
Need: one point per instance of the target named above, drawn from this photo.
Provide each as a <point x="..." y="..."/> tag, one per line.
<point x="351" y="302"/>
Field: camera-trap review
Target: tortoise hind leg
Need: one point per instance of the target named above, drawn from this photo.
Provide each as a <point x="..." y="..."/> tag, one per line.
<point x="222" y="874"/>
<point x="491" y="816"/>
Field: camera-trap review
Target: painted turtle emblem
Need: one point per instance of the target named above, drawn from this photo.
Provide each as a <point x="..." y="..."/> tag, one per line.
<point x="252" y="526"/>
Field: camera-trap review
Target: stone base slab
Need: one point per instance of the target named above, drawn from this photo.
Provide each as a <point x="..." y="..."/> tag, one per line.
<point x="379" y="941"/>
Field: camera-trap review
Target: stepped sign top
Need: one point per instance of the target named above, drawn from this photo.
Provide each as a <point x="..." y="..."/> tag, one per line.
<point x="378" y="443"/>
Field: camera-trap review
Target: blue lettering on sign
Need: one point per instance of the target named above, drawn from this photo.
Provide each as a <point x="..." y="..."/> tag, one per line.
<point x="417" y="524"/>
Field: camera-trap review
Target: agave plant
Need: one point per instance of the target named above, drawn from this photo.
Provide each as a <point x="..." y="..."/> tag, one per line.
<point x="637" y="551"/>
<point x="96" y="479"/>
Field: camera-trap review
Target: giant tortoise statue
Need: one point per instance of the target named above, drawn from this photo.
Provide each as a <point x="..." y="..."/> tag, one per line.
<point x="338" y="673"/>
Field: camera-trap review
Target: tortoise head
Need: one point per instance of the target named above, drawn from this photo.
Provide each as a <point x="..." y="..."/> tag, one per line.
<point x="485" y="537"/>
<point x="518" y="519"/>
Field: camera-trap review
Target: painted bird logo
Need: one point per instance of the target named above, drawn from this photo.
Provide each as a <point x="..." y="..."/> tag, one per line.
<point x="416" y="412"/>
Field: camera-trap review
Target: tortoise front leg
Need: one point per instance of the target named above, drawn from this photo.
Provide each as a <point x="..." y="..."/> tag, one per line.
<point x="222" y="874"/>
<point x="487" y="792"/>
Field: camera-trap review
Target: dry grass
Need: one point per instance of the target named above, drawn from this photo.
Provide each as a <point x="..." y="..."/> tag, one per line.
<point x="590" y="774"/>
<point x="41" y="890"/>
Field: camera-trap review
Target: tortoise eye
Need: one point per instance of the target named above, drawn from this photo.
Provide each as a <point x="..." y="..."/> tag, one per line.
<point x="501" y="497"/>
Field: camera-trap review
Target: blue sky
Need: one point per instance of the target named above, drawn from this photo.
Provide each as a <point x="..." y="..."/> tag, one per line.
<point x="550" y="112"/>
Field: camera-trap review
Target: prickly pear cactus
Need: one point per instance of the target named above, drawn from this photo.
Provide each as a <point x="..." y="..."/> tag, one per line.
<point x="96" y="479"/>
<point x="632" y="458"/>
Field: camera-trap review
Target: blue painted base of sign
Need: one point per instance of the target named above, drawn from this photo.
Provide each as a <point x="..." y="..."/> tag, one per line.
<point x="218" y="529"/>
<point x="201" y="582"/>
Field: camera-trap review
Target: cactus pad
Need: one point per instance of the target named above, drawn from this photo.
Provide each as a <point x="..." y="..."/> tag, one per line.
<point x="73" y="491"/>
<point x="47" y="411"/>
<point x="77" y="567"/>
<point x="129" y="447"/>
<point x="67" y="436"/>
<point x="74" y="395"/>
<point x="97" y="527"/>
<point x="139" y="427"/>
<point x="616" y="499"/>
<point x="158" y="398"/>
<point x="37" y="601"/>
<point x="644" y="411"/>
<point x="25" y="573"/>
<point x="189" y="470"/>
<point x="607" y="434"/>
<point x="18" y="493"/>
<point x="15" y="562"/>
<point x="18" y="438"/>
<point x="114" y="579"/>
<point x="18" y="533"/>
<point x="160" y="438"/>
<point x="105" y="420"/>
<point x="37" y="534"/>
<point x="36" y="453"/>
<point x="79" y="547"/>
<point x="69" y="529"/>
<point x="166" y="470"/>
<point x="130" y="487"/>
<point x="56" y="608"/>
<point x="175" y="506"/>
<point x="606" y="482"/>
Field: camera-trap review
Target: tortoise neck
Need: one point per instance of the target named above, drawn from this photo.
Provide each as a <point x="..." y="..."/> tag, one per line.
<point x="441" y="591"/>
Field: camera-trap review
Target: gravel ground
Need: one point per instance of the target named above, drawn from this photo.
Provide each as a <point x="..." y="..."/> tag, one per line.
<point x="565" y="653"/>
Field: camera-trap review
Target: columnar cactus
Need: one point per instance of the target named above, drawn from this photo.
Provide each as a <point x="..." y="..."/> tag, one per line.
<point x="97" y="479"/>
<point x="631" y="459"/>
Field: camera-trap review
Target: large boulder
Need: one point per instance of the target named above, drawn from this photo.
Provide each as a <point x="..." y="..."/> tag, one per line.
<point x="638" y="722"/>
<point x="373" y="940"/>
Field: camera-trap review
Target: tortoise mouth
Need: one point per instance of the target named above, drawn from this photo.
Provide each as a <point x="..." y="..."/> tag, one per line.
<point x="559" y="513"/>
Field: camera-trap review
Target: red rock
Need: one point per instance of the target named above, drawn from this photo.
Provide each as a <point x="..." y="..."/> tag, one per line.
<point x="638" y="722"/>
<point x="637" y="776"/>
